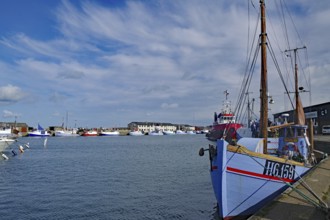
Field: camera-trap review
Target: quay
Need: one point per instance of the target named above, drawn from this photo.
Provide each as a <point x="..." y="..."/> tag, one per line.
<point x="291" y="204"/>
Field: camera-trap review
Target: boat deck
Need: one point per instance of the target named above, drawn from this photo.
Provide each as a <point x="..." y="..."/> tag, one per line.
<point x="291" y="205"/>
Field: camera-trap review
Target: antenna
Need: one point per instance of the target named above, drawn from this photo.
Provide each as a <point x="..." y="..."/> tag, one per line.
<point x="226" y="93"/>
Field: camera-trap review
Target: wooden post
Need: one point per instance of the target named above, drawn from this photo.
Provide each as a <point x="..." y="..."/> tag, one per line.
<point x="311" y="134"/>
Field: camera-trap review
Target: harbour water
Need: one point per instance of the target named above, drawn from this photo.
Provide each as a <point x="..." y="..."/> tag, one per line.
<point x="147" y="177"/>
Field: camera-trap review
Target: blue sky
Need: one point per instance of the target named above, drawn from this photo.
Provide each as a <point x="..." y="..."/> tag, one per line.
<point x="108" y="63"/>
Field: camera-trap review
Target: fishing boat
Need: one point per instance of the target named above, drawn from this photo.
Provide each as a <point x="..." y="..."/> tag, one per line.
<point x="66" y="133"/>
<point x="224" y="124"/>
<point x="246" y="174"/>
<point x="136" y="133"/>
<point x="39" y="132"/>
<point x="191" y="132"/>
<point x="9" y="132"/>
<point x="156" y="132"/>
<point x="168" y="132"/>
<point x="180" y="132"/>
<point x="109" y="133"/>
<point x="5" y="131"/>
<point x="90" y="133"/>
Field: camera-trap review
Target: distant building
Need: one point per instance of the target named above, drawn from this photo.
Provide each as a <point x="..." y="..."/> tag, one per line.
<point x="55" y="128"/>
<point x="151" y="126"/>
<point x="320" y="115"/>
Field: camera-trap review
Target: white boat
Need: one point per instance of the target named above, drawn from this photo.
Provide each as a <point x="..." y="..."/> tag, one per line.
<point x="156" y="133"/>
<point x="136" y="133"/>
<point x="9" y="132"/>
<point x="205" y="131"/>
<point x="109" y="133"/>
<point x="191" y="132"/>
<point x="5" y="143"/>
<point x="5" y="131"/>
<point x="66" y="133"/>
<point x="40" y="132"/>
<point x="252" y="172"/>
<point x="180" y="132"/>
<point x="168" y="132"/>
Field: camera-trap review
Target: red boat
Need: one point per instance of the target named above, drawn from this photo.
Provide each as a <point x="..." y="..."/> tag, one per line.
<point x="224" y="125"/>
<point x="90" y="133"/>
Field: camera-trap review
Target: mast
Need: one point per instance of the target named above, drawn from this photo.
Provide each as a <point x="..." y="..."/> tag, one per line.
<point x="66" y="121"/>
<point x="299" y="112"/>
<point x="263" y="79"/>
<point x="249" y="113"/>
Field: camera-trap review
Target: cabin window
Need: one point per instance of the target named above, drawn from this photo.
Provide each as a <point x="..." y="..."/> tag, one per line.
<point x="289" y="132"/>
<point x="282" y="132"/>
<point x="301" y="132"/>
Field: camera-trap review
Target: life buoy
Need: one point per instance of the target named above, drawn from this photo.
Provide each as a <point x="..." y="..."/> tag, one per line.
<point x="291" y="149"/>
<point x="290" y="146"/>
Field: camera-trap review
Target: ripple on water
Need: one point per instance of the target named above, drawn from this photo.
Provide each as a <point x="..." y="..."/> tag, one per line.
<point x="145" y="177"/>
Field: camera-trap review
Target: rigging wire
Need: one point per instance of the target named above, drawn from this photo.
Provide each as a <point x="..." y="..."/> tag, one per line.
<point x="248" y="81"/>
<point x="248" y="69"/>
<point x="294" y="25"/>
<point x="288" y="69"/>
<point x="252" y="55"/>
<point x="308" y="82"/>
<point x="279" y="70"/>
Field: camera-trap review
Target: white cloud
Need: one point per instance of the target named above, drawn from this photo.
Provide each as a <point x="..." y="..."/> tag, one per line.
<point x="10" y="94"/>
<point x="169" y="105"/>
<point x="9" y="114"/>
<point x="150" y="57"/>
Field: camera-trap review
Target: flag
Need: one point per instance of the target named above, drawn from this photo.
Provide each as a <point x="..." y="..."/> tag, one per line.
<point x="40" y="128"/>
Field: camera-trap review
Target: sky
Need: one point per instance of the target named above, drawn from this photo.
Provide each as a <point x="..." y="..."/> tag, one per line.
<point x="106" y="63"/>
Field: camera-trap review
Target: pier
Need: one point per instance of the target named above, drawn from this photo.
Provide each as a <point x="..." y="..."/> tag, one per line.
<point x="299" y="203"/>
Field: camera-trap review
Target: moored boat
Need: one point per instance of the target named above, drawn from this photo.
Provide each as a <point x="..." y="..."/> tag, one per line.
<point x="168" y="132"/>
<point x="136" y="133"/>
<point x="248" y="174"/>
<point x="66" y="133"/>
<point x="156" y="133"/>
<point x="180" y="132"/>
<point x="109" y="133"/>
<point x="190" y="132"/>
<point x="39" y="132"/>
<point x="265" y="176"/>
<point x="91" y="133"/>
<point x="5" y="131"/>
<point x="224" y="124"/>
